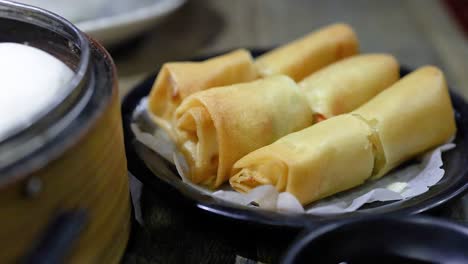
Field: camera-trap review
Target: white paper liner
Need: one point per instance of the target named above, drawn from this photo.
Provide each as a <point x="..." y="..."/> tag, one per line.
<point x="403" y="183"/>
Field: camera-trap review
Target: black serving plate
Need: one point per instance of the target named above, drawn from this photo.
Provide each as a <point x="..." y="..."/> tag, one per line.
<point x="161" y="176"/>
<point x="416" y="240"/>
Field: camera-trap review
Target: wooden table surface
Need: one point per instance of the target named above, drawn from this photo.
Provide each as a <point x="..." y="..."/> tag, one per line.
<point x="416" y="32"/>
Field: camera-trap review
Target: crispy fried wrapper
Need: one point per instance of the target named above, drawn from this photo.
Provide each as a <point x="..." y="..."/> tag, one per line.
<point x="216" y="127"/>
<point x="409" y="118"/>
<point x="347" y="84"/>
<point x="308" y="54"/>
<point x="177" y="80"/>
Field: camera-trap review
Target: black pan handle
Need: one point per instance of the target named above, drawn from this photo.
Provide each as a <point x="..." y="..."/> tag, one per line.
<point x="58" y="238"/>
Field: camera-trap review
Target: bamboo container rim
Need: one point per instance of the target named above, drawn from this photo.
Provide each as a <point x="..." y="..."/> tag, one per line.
<point x="51" y="21"/>
<point x="75" y="110"/>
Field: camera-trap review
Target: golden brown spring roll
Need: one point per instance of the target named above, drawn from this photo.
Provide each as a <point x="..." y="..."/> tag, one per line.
<point x="216" y="127"/>
<point x="177" y="80"/>
<point x="329" y="157"/>
<point x="409" y="118"/>
<point x="306" y="55"/>
<point x="347" y="84"/>
<point x="412" y="116"/>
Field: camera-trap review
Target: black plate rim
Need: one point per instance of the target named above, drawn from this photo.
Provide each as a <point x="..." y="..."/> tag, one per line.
<point x="229" y="210"/>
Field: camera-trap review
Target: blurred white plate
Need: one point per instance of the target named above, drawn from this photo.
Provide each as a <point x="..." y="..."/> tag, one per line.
<point x="111" y="21"/>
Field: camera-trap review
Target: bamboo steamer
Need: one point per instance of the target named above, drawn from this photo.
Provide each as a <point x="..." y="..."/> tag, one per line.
<point x="81" y="168"/>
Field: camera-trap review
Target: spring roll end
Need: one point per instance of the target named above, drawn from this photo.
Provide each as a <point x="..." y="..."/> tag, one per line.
<point x="196" y="138"/>
<point x="272" y="172"/>
<point x="164" y="97"/>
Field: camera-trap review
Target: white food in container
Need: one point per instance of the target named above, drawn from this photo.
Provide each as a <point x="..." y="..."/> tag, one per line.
<point x="30" y="80"/>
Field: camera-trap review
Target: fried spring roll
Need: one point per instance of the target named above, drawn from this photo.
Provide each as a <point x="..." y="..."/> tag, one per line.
<point x="177" y="80"/>
<point x="306" y="55"/>
<point x="412" y="116"/>
<point x="347" y="84"/>
<point x="329" y="157"/>
<point x="216" y="127"/>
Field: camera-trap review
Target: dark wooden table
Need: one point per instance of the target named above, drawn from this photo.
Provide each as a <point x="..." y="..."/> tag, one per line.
<point x="416" y="32"/>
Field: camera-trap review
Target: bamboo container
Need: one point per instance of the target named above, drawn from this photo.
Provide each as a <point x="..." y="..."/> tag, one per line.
<point x="71" y="162"/>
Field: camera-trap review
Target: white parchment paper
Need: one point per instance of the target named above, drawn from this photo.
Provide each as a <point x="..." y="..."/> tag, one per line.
<point x="403" y="183"/>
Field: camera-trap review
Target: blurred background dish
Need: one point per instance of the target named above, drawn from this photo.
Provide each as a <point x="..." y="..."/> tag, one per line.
<point x="111" y="21"/>
<point x="382" y="240"/>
